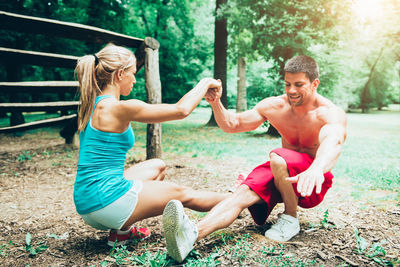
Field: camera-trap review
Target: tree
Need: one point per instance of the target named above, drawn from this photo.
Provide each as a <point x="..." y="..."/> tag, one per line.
<point x="241" y="103"/>
<point x="275" y="29"/>
<point x="330" y="32"/>
<point x="183" y="55"/>
<point x="220" y="54"/>
<point x="379" y="33"/>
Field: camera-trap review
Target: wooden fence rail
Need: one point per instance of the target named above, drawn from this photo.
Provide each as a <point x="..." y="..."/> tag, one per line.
<point x="42" y="87"/>
<point x="146" y="52"/>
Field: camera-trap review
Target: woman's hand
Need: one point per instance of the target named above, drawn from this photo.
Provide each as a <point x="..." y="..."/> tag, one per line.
<point x="214" y="92"/>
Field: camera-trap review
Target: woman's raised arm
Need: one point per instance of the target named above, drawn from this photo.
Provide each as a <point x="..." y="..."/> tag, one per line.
<point x="136" y="110"/>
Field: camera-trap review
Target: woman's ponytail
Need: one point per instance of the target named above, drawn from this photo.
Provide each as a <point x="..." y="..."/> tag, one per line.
<point x="89" y="90"/>
<point x="96" y="72"/>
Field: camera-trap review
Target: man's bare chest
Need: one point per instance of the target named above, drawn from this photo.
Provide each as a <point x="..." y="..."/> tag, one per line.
<point x="298" y="132"/>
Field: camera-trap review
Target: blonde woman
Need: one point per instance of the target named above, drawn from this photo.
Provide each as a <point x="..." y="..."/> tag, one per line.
<point x="106" y="195"/>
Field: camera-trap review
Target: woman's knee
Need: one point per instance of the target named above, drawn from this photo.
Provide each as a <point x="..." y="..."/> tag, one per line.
<point x="183" y="193"/>
<point x="159" y="164"/>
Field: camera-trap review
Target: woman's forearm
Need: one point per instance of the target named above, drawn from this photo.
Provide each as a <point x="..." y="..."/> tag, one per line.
<point x="192" y="98"/>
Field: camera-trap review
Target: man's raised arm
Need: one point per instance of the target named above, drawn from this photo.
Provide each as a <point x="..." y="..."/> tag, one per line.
<point x="232" y="122"/>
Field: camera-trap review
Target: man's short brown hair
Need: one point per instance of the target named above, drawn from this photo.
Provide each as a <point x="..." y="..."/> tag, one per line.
<point x="304" y="64"/>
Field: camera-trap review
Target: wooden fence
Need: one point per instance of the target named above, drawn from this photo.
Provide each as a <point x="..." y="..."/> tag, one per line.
<point x="146" y="52"/>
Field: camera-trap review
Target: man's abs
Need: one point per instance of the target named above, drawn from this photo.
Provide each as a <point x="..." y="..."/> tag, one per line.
<point x="312" y="151"/>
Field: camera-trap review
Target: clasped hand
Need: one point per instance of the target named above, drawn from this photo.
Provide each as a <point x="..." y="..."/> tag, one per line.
<point x="214" y="93"/>
<point x="307" y="180"/>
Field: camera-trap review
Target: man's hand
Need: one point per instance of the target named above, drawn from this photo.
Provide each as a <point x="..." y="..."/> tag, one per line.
<point x="214" y="94"/>
<point x="307" y="180"/>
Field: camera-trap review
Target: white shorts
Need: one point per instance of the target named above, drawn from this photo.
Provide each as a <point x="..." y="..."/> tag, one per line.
<point x="114" y="215"/>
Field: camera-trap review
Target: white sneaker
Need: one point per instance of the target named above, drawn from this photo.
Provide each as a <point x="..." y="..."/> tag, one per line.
<point x="180" y="232"/>
<point x="284" y="229"/>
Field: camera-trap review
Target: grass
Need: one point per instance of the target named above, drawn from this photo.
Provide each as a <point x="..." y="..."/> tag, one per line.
<point x="29" y="117"/>
<point x="190" y="136"/>
<point x="370" y="158"/>
<point x="238" y="251"/>
<point x="369" y="162"/>
<point x="371" y="154"/>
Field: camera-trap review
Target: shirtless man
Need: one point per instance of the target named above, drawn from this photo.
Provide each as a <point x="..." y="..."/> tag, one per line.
<point x="313" y="130"/>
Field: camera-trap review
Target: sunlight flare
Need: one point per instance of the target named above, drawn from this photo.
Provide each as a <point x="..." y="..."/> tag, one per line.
<point x="368" y="9"/>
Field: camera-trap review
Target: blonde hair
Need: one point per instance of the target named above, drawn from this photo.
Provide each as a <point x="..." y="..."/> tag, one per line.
<point x="97" y="71"/>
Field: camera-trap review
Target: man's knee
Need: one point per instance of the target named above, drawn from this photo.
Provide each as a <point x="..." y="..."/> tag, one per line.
<point x="278" y="165"/>
<point x="276" y="160"/>
<point x="244" y="197"/>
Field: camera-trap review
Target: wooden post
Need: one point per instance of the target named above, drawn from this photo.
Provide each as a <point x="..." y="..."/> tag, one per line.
<point x="153" y="88"/>
<point x="241" y="103"/>
<point x="14" y="74"/>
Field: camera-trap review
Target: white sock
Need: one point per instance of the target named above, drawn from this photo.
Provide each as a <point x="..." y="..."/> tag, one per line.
<point x="122" y="232"/>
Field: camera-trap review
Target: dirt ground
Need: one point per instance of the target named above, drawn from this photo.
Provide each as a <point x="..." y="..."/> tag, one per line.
<point x="36" y="196"/>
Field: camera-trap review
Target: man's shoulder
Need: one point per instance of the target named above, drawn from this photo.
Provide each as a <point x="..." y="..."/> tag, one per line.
<point x="273" y="102"/>
<point x="327" y="110"/>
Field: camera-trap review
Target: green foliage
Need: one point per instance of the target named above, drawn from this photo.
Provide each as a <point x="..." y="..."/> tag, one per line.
<point x="266" y="33"/>
<point x="160" y="259"/>
<point x="242" y="248"/>
<point x="4" y="248"/>
<point x="119" y="254"/>
<point x="186" y="47"/>
<point x="33" y="250"/>
<point x="183" y="54"/>
<point x="344" y="45"/>
<point x="195" y="259"/>
<point x="26" y="155"/>
<point x="325" y="222"/>
<point x="376" y="252"/>
<point x="362" y="243"/>
<point x="48" y="9"/>
<point x="154" y="260"/>
<point x="273" y="256"/>
<point x="263" y="81"/>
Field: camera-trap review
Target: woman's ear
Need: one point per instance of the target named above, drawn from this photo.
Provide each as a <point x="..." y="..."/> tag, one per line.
<point x="118" y="74"/>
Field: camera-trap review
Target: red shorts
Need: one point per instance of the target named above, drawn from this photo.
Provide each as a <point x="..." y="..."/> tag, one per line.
<point x="261" y="181"/>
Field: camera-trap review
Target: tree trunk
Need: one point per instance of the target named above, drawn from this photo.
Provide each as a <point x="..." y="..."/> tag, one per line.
<point x="220" y="57"/>
<point x="364" y="94"/>
<point x="241" y="103"/>
<point x="153" y="88"/>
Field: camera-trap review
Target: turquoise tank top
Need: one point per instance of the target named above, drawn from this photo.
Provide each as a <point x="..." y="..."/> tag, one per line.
<point x="100" y="175"/>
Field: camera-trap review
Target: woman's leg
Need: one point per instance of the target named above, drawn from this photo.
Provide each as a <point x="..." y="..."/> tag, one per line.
<point x="155" y="195"/>
<point x="153" y="169"/>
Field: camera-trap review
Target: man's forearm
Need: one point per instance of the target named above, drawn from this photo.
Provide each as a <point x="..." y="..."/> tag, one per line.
<point x="225" y="119"/>
<point x="327" y="154"/>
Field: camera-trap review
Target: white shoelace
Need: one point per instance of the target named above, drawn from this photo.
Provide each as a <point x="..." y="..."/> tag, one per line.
<point x="280" y="223"/>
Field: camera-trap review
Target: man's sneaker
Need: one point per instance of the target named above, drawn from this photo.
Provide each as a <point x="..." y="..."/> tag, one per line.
<point x="180" y="232"/>
<point x="284" y="229"/>
<point x="124" y="237"/>
<point x="240" y="179"/>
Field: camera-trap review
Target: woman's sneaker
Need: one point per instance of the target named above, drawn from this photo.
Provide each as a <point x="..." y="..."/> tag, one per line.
<point x="124" y="237"/>
<point x="284" y="229"/>
<point x="180" y="232"/>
